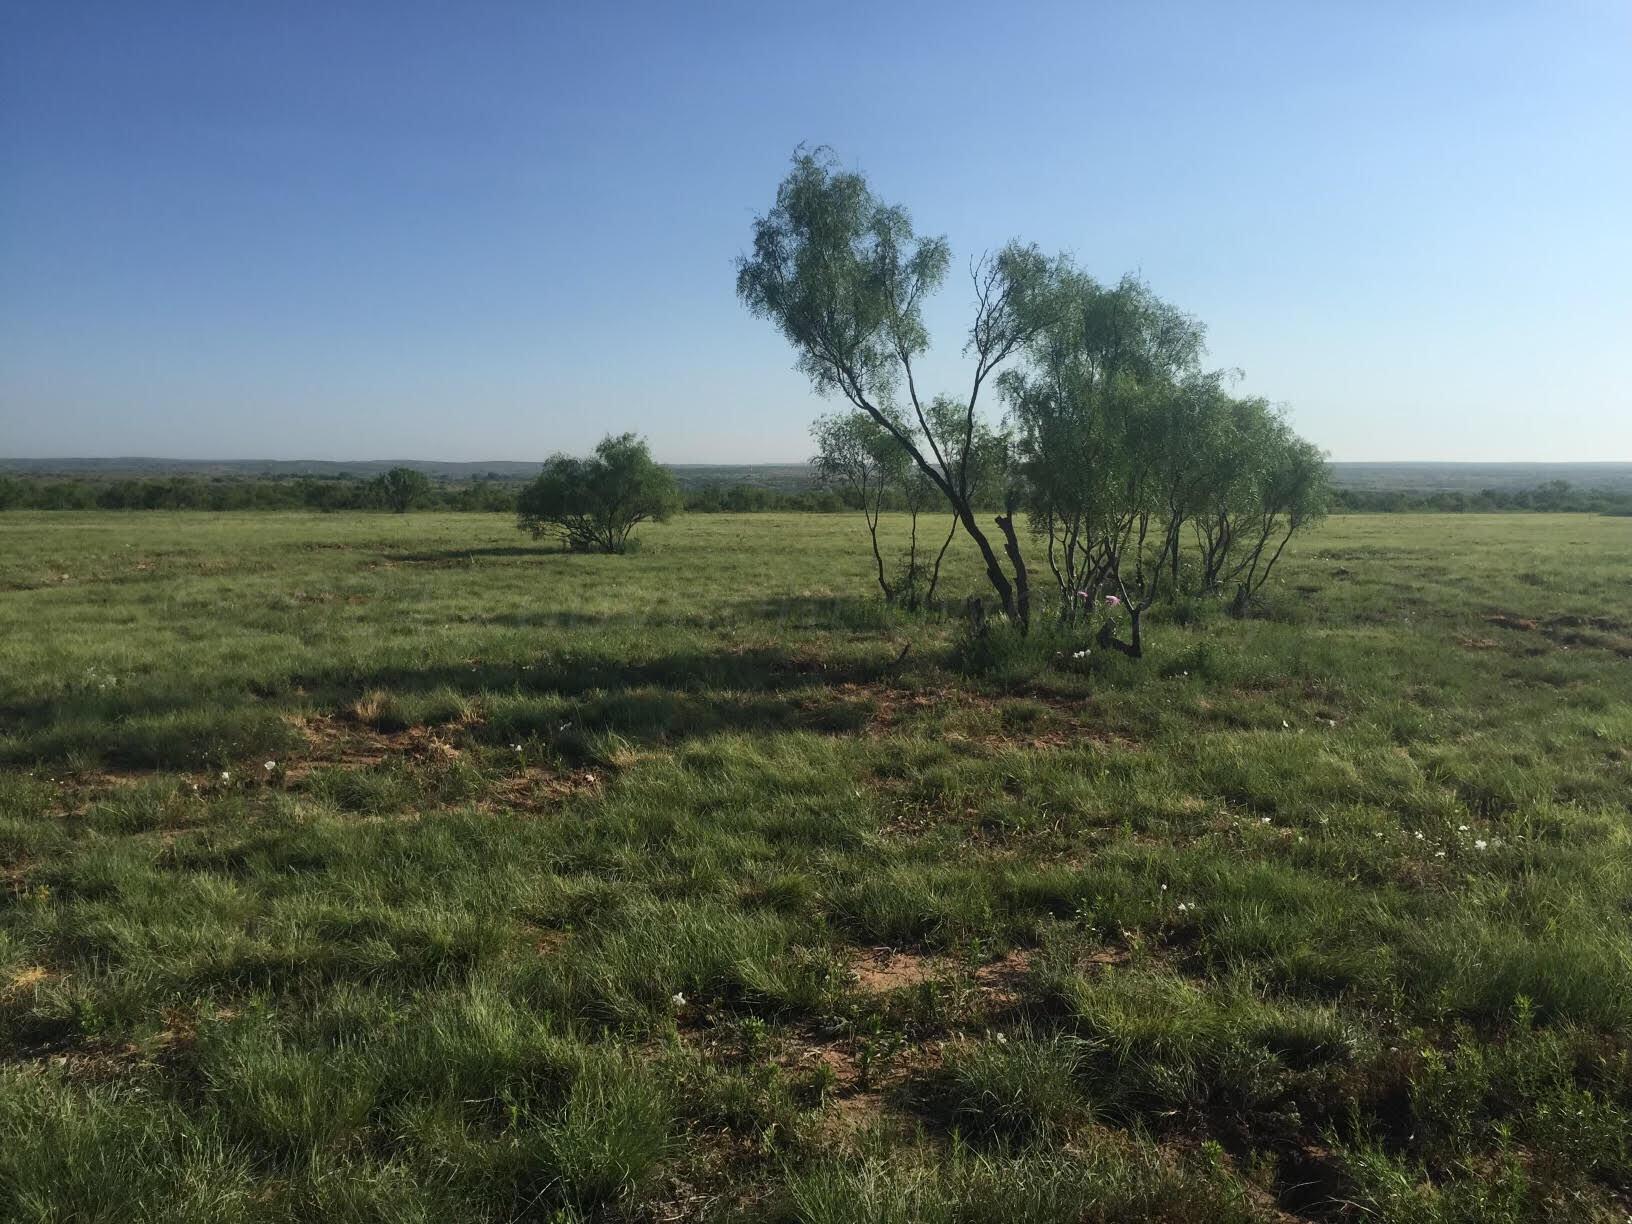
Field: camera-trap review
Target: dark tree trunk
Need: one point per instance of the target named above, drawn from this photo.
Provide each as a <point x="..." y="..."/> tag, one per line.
<point x="1022" y="583"/>
<point x="935" y="575"/>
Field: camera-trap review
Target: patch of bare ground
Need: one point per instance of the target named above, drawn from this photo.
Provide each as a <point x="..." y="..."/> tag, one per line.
<point x="550" y="942"/>
<point x="91" y="1061"/>
<point x="1000" y="980"/>
<point x="353" y="744"/>
<point x="1067" y="721"/>
<point x="879" y="970"/>
<point x="864" y="1081"/>
<point x="535" y="788"/>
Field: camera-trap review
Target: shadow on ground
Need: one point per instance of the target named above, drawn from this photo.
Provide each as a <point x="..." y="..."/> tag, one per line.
<point x="567" y="700"/>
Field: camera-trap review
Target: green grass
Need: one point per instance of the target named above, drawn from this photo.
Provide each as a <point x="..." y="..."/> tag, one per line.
<point x="392" y="868"/>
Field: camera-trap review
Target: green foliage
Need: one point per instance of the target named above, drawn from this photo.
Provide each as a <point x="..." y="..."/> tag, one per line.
<point x="592" y="505"/>
<point x="1127" y="447"/>
<point x="401" y="489"/>
<point x="844" y="277"/>
<point x="1122" y="444"/>
<point x="860" y="458"/>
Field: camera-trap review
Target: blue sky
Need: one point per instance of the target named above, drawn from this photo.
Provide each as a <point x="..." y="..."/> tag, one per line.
<point x="490" y="230"/>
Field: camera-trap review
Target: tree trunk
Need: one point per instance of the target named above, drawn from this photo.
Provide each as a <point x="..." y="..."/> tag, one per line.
<point x="935" y="576"/>
<point x="872" y="532"/>
<point x="1022" y="583"/>
<point x="994" y="569"/>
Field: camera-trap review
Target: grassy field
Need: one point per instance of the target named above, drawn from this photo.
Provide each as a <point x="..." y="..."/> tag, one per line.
<point x="393" y="868"/>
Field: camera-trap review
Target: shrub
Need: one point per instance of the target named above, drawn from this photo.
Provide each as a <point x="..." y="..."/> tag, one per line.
<point x="593" y="504"/>
<point x="402" y="488"/>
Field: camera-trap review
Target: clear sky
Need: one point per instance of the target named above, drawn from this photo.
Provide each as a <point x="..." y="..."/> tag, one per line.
<point x="485" y="230"/>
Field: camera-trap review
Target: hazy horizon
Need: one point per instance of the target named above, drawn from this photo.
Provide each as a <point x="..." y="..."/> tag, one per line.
<point x="503" y="229"/>
<point x="381" y="460"/>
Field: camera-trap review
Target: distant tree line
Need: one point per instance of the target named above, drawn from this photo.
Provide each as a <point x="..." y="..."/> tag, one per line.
<point x="498" y="496"/>
<point x="1552" y="496"/>
<point x="255" y="493"/>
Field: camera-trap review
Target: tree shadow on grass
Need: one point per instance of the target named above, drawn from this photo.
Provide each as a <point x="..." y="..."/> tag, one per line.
<point x="444" y="556"/>
<point x="817" y="612"/>
<point x="579" y="620"/>
<point x="567" y="700"/>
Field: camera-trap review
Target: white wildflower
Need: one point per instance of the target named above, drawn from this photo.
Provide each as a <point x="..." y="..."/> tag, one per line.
<point x="679" y="1000"/>
<point x="1480" y="843"/>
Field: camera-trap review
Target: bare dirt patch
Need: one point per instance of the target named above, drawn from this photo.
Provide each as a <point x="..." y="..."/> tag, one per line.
<point x="344" y="744"/>
<point x="880" y="970"/>
<point x="1060" y="722"/>
<point x="352" y="745"/>
<point x="1001" y="980"/>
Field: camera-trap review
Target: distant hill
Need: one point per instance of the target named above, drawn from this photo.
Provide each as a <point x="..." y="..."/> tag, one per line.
<point x="791" y="477"/>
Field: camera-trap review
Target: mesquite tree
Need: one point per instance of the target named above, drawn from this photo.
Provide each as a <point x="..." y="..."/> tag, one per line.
<point x="1125" y="441"/>
<point x="1118" y="442"/>
<point x="401" y="489"/>
<point x="844" y="277"/>
<point x="593" y="504"/>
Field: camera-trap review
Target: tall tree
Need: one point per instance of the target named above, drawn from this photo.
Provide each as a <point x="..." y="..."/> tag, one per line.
<point x="844" y="277"/>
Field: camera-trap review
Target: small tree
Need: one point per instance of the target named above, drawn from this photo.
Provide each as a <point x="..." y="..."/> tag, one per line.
<point x="593" y="504"/>
<point x="402" y="488"/>
<point x="858" y="459"/>
<point x="854" y="455"/>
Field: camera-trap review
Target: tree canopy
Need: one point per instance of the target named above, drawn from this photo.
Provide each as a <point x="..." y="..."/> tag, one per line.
<point x="402" y="488"/>
<point x="844" y="277"/>
<point x="1118" y="443"/>
<point x="593" y="504"/>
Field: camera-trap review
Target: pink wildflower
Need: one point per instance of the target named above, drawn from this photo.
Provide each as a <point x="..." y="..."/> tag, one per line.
<point x="1112" y="601"/>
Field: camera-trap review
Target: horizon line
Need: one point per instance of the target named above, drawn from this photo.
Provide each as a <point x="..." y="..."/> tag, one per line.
<point x="709" y="463"/>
